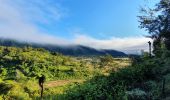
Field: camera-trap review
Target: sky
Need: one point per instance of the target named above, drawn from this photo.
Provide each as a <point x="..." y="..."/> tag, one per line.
<point x="101" y="24"/>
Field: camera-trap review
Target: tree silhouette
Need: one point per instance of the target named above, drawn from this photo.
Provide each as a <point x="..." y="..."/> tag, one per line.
<point x="157" y="22"/>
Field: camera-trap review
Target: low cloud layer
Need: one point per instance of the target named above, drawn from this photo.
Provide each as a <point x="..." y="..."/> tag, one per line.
<point x="17" y="24"/>
<point x="128" y="45"/>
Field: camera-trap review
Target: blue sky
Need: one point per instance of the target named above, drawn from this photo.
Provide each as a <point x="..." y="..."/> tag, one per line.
<point x="98" y="18"/>
<point x="101" y="23"/>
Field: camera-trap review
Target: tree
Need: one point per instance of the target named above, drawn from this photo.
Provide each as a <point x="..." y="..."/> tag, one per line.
<point x="106" y="60"/>
<point x="157" y="22"/>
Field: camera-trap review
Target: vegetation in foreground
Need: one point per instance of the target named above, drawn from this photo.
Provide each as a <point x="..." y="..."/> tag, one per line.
<point x="80" y="78"/>
<point x="21" y="67"/>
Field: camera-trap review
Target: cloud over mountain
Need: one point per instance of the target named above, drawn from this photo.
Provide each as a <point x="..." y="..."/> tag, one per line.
<point x="128" y="44"/>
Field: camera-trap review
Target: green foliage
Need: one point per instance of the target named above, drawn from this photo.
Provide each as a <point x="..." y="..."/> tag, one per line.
<point x="13" y="90"/>
<point x="31" y="62"/>
<point x="3" y="72"/>
<point x="106" y="60"/>
<point x="117" y="84"/>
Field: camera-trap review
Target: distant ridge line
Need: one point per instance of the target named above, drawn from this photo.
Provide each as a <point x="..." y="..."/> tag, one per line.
<point x="71" y="50"/>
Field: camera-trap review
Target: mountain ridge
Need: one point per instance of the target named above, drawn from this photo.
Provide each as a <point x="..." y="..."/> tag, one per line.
<point x="71" y="50"/>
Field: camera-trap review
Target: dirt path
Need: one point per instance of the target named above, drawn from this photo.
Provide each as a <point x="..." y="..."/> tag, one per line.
<point x="61" y="83"/>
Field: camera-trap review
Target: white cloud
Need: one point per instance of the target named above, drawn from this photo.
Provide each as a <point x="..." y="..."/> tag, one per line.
<point x="41" y="11"/>
<point x="14" y="23"/>
<point x="128" y="45"/>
